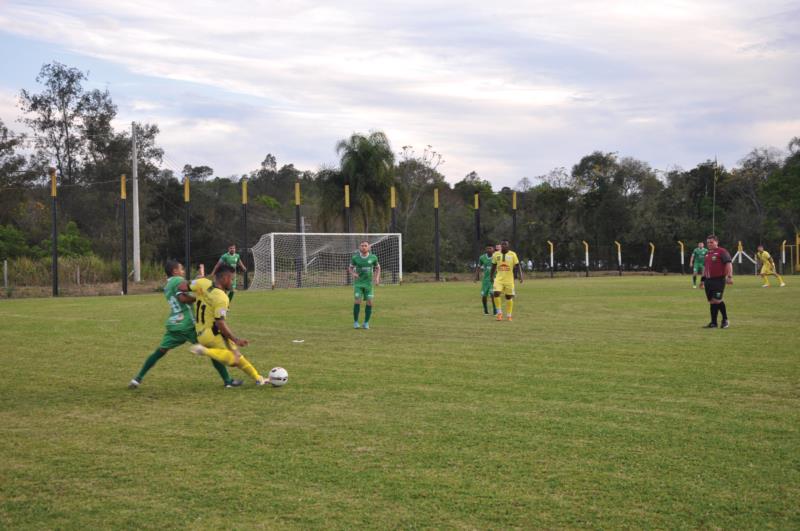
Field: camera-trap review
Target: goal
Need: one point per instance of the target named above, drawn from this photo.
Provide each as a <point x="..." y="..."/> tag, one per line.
<point x="320" y="259"/>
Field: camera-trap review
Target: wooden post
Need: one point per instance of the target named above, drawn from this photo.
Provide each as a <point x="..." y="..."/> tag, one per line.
<point x="54" y="250"/>
<point x="123" y="195"/>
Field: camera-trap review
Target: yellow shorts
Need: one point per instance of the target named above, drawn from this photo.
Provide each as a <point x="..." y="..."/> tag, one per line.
<point x="766" y="269"/>
<point x="506" y="288"/>
<point x="209" y="340"/>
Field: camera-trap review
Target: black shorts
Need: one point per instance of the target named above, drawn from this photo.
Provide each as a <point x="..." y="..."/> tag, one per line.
<point x="715" y="287"/>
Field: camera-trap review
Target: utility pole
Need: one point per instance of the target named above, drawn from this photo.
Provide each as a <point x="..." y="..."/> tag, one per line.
<point x="137" y="258"/>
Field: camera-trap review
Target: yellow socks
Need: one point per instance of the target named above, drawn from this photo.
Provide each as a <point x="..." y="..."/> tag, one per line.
<point x="497" y="304"/>
<point x="509" y="307"/>
<point x="248" y="368"/>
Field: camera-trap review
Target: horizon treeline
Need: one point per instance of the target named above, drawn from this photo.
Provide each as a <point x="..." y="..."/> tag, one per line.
<point x="603" y="197"/>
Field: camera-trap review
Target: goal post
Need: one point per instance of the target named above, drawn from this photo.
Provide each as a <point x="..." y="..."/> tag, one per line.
<point x="320" y="259"/>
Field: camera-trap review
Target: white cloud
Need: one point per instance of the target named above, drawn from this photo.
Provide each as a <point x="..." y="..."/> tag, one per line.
<point x="509" y="89"/>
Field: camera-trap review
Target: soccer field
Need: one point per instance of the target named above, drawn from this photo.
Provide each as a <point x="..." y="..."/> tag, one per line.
<point x="604" y="404"/>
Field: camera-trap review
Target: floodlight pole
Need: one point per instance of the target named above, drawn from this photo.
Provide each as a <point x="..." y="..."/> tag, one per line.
<point x="244" y="228"/>
<point x="54" y="245"/>
<point x="436" y="255"/>
<point x="124" y="259"/>
<point x="551" y="258"/>
<point x="187" y="226"/>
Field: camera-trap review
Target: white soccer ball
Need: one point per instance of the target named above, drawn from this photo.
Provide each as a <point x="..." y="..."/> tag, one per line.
<point x="278" y="376"/>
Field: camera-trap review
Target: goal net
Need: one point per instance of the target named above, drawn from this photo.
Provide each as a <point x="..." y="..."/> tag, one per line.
<point x="318" y="259"/>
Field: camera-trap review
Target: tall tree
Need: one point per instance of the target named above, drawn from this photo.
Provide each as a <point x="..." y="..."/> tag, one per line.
<point x="367" y="164"/>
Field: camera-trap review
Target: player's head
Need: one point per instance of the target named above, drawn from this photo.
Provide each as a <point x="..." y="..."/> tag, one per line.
<point x="232" y="249"/>
<point x="497" y="247"/>
<point x="363" y="247"/>
<point x="173" y="268"/>
<point x="712" y="241"/>
<point x="490" y="250"/>
<point x="504" y="246"/>
<point x="701" y="245"/>
<point x="760" y="247"/>
<point x="223" y="278"/>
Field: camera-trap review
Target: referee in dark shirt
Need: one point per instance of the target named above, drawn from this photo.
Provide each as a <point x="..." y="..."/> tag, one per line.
<point x="717" y="272"/>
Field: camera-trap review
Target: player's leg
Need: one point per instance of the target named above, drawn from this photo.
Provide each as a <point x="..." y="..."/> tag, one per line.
<point x="765" y="272"/>
<point x="191" y="338"/>
<point x="151" y="360"/>
<point x="369" y="295"/>
<point x="496" y="290"/>
<point x="509" y="291"/>
<point x="358" y="295"/>
<point x="171" y="339"/>
<point x="780" y="278"/>
<point x="217" y="349"/>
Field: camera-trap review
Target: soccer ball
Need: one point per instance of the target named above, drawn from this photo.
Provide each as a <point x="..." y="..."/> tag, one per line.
<point x="278" y="376"/>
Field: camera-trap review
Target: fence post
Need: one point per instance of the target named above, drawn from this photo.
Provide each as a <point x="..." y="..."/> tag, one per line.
<point x="187" y="226"/>
<point x="551" y="258"/>
<point x="652" y="253"/>
<point x="586" y="250"/>
<point x="682" y="255"/>
<point x="124" y="259"/>
<point x="244" y="228"/>
<point x="619" y="256"/>
<point x="299" y="261"/>
<point x="477" y="247"/>
<point x="348" y="227"/>
<point x="436" y="256"/>
<point x="514" y="220"/>
<point x="54" y="266"/>
<point x="783" y="257"/>
<point x="5" y="275"/>
<point x="393" y="206"/>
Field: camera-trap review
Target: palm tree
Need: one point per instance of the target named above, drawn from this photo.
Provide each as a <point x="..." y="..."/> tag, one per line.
<point x="368" y="167"/>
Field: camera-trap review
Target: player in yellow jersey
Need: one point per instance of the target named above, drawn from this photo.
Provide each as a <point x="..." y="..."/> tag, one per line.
<point x="215" y="338"/>
<point x="767" y="267"/>
<point x="504" y="263"/>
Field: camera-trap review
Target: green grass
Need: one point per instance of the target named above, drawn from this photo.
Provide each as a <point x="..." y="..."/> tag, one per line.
<point x="604" y="404"/>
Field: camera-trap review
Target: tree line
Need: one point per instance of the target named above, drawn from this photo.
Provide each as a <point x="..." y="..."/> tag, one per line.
<point x="602" y="198"/>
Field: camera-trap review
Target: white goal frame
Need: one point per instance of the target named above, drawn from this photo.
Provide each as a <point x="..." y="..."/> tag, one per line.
<point x="265" y="275"/>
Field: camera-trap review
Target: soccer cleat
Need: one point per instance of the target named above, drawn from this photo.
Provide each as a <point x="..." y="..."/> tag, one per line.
<point x="710" y="325"/>
<point x="233" y="383"/>
<point x="764" y="285"/>
<point x="509" y="318"/>
<point x="499" y="316"/>
<point x="366" y="326"/>
<point x="725" y="324"/>
<point x="485" y="313"/>
<point x="356" y="325"/>
<point x="198" y="349"/>
<point x="262" y="381"/>
<point x="134" y="384"/>
<point x="783" y="284"/>
<point x="694" y="287"/>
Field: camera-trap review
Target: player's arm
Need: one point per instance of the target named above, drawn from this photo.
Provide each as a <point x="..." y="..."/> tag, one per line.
<point x="728" y="269"/>
<point x="227" y="333"/>
<point x="377" y="273"/>
<point x="494" y="269"/>
<point x="241" y="264"/>
<point x="185" y="294"/>
<point x="691" y="260"/>
<point x="216" y="266"/>
<point x="352" y="267"/>
<point x="519" y="272"/>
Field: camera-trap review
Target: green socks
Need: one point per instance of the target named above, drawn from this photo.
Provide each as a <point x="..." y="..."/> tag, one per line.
<point x="231" y="293"/>
<point x="222" y="370"/>
<point x="356" y="311"/>
<point x="149" y="362"/>
<point x="367" y="313"/>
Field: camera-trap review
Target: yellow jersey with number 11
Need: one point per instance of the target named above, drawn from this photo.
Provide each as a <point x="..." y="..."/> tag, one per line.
<point x="212" y="303"/>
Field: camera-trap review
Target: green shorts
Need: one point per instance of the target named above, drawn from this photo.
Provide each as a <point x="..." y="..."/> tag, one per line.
<point x="698" y="270"/>
<point x="363" y="291"/>
<point x="486" y="288"/>
<point x="176" y="338"/>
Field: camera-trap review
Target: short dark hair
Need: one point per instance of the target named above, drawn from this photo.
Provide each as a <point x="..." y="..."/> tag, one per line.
<point x="712" y="237"/>
<point x="170" y="265"/>
<point x="222" y="269"/>
<point x="364" y="241"/>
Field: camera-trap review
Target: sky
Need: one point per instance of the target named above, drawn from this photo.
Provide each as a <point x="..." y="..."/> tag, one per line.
<point x="507" y="89"/>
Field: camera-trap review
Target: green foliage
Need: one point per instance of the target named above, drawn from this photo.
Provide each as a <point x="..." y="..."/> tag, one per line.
<point x="12" y="243"/>
<point x="71" y="243"/>
<point x="268" y="201"/>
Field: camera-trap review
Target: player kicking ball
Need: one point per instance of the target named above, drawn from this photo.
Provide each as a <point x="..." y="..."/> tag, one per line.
<point x="362" y="267"/>
<point x="504" y="262"/>
<point x="215" y="338"/>
<point x="180" y="327"/>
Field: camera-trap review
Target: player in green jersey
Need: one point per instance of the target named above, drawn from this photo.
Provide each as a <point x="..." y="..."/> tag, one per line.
<point x="362" y="266"/>
<point x="485" y="267"/>
<point x="697" y="261"/>
<point x="179" y="325"/>
<point x="232" y="259"/>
